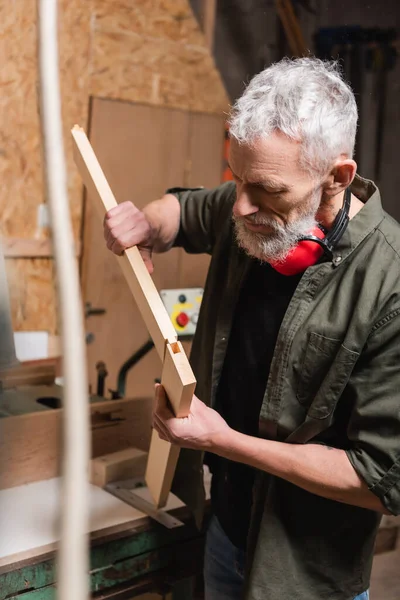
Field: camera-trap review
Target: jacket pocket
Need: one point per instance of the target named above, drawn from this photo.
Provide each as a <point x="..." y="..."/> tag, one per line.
<point x="325" y="371"/>
<point x="318" y="358"/>
<point x="334" y="383"/>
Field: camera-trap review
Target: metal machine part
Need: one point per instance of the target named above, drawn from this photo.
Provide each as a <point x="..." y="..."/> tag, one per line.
<point x="183" y="307"/>
<point x="126" y="491"/>
<point x="128" y="364"/>
<point x="101" y="377"/>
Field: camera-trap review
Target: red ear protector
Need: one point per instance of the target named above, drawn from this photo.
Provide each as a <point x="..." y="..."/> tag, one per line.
<point x="312" y="247"/>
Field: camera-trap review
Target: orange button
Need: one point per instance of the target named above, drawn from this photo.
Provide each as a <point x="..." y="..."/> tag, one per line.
<point x="182" y="319"/>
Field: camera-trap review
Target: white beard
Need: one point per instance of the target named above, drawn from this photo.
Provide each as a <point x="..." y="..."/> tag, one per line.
<point x="274" y="246"/>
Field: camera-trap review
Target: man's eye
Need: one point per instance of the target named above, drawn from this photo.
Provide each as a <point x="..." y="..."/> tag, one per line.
<point x="274" y="192"/>
<point x="266" y="190"/>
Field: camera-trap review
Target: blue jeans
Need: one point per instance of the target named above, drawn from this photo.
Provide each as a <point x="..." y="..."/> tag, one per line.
<point x="224" y="567"/>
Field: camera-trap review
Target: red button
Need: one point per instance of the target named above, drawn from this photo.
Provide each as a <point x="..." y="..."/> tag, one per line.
<point x="182" y="319"/>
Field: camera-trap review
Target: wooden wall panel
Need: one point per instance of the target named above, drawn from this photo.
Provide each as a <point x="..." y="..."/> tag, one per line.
<point x="21" y="157"/>
<point x="31" y="285"/>
<point x="169" y="19"/>
<point x="155" y="70"/>
<point x="20" y="160"/>
<point x="206" y="166"/>
<point x="143" y="150"/>
<point x="147" y="50"/>
<point x="31" y="281"/>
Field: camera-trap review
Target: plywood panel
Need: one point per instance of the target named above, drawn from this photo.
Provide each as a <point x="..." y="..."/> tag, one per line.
<point x="170" y="19"/>
<point x="20" y="139"/>
<point x="156" y="71"/>
<point x="142" y="150"/>
<point x="31" y="285"/>
<point x="20" y="164"/>
<point x="147" y="50"/>
<point x="32" y="281"/>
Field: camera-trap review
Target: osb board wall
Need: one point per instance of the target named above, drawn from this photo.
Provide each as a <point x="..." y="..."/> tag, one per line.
<point x="148" y="51"/>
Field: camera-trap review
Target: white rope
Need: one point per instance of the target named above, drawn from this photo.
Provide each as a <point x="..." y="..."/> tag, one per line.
<point x="73" y="554"/>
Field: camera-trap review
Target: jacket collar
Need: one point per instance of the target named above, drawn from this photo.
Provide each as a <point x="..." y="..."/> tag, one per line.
<point x="364" y="222"/>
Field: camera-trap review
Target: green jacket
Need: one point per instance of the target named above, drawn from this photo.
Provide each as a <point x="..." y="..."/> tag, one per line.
<point x="334" y="379"/>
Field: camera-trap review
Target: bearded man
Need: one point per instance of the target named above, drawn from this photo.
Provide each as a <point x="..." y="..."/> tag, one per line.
<point x="297" y="349"/>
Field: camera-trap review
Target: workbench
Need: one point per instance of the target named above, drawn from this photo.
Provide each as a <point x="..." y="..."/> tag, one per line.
<point x="129" y="553"/>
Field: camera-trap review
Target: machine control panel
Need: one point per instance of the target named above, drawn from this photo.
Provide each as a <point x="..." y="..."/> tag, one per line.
<point x="183" y="306"/>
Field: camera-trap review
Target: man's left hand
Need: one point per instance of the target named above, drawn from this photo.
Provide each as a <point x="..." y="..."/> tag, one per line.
<point x="202" y="429"/>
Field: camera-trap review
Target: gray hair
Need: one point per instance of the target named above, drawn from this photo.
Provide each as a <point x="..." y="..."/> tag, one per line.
<point x="307" y="100"/>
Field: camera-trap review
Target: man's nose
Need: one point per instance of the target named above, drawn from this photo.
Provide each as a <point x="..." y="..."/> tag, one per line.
<point x="243" y="206"/>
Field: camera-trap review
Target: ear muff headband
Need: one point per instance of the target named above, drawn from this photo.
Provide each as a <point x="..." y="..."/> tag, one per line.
<point x="312" y="247"/>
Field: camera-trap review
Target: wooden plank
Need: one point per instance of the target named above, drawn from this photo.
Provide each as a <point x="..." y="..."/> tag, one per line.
<point x="139" y="280"/>
<point x="117" y="466"/>
<point x="15" y="247"/>
<point x="30" y="444"/>
<point x="179" y="383"/>
<point x="39" y="372"/>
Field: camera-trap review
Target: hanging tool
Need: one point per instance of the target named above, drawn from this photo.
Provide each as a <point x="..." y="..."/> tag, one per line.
<point x="292" y="28"/>
<point x="101" y="377"/>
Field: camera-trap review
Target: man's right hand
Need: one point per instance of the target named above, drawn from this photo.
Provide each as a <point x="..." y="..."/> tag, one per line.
<point x="126" y="226"/>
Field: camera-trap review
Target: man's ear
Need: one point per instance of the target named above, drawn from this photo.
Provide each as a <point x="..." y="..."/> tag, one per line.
<point x="340" y="177"/>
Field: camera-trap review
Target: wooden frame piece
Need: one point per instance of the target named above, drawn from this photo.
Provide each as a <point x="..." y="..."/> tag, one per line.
<point x="136" y="274"/>
<point x="179" y="383"/>
<point x="35" y="372"/>
<point x="30" y="443"/>
<point x="177" y="375"/>
<point x="15" y="247"/>
<point x="125" y="464"/>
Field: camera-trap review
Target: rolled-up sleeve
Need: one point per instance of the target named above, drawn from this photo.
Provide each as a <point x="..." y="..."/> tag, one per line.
<point x="374" y="426"/>
<point x="202" y="213"/>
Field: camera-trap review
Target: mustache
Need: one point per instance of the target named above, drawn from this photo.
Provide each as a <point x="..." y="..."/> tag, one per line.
<point x="263" y="220"/>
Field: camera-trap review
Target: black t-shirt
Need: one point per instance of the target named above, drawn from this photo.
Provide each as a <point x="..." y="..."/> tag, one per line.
<point x="260" y="309"/>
